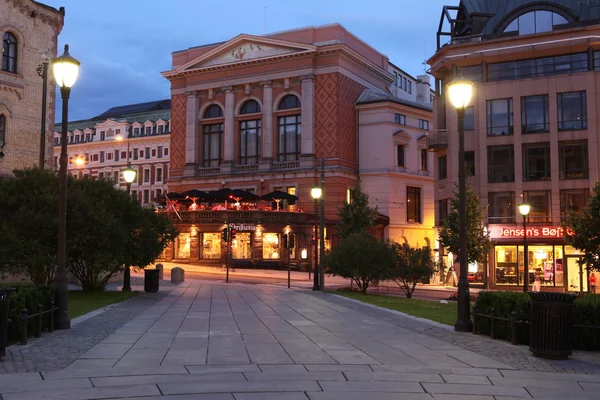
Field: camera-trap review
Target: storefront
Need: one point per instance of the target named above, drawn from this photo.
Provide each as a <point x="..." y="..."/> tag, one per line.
<point x="551" y="261"/>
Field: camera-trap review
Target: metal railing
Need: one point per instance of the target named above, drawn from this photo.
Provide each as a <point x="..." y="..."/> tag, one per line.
<point x="39" y="321"/>
<point x="437" y="140"/>
<point x="238" y="216"/>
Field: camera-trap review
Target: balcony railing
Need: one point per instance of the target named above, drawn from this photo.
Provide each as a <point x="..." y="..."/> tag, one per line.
<point x="437" y="140"/>
<point x="284" y="165"/>
<point x="240" y="169"/>
<point x="203" y="171"/>
<point x="240" y="216"/>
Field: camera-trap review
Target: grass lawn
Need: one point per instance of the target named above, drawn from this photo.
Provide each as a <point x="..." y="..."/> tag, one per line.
<point x="81" y="303"/>
<point x="433" y="310"/>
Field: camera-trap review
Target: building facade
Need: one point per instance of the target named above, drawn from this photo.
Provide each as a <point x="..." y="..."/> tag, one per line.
<point x="531" y="131"/>
<point x="260" y="113"/>
<point x="102" y="147"/>
<point x="29" y="32"/>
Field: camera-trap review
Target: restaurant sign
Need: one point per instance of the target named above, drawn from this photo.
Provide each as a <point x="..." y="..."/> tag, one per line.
<point x="243" y="227"/>
<point x="545" y="232"/>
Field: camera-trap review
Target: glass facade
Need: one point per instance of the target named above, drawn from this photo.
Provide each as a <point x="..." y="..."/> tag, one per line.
<point x="241" y="246"/>
<point x="211" y="246"/>
<point x="183" y="245"/>
<point x="271" y="248"/>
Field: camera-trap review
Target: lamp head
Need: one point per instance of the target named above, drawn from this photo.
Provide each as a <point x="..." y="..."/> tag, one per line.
<point x="524" y="209"/>
<point x="79" y="161"/>
<point x="316" y="192"/>
<point x="129" y="174"/>
<point x="460" y="92"/>
<point x="66" y="69"/>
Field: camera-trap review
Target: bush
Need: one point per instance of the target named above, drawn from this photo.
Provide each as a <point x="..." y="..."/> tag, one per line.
<point x="27" y="296"/>
<point x="411" y="266"/>
<point x="504" y="303"/>
<point x="587" y="313"/>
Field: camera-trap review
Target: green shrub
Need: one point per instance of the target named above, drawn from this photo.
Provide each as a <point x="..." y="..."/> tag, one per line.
<point x="504" y="303"/>
<point x="27" y="296"/>
<point x="587" y="313"/>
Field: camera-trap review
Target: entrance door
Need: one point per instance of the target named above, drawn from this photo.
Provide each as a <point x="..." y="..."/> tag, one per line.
<point x="574" y="275"/>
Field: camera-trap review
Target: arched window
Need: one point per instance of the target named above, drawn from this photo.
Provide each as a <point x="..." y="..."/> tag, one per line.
<point x="9" y="52"/>
<point x="536" y="22"/>
<point x="250" y="107"/>
<point x="2" y="130"/>
<point x="213" y="111"/>
<point x="288" y="102"/>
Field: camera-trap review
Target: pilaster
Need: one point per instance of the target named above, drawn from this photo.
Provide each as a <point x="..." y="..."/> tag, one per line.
<point x="307" y="138"/>
<point x="229" y="140"/>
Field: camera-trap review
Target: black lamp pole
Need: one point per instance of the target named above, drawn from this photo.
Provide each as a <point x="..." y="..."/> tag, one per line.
<point x="322" y="228"/>
<point x="42" y="70"/>
<point x="526" y="257"/>
<point x="316" y="268"/>
<point x="127" y="272"/>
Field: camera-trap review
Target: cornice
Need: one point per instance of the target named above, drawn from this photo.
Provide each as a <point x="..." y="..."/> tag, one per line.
<point x="43" y="13"/>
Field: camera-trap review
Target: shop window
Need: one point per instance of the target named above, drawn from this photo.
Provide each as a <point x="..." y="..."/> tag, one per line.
<point x="572" y="111"/>
<point x="241" y="247"/>
<point x="499" y="117"/>
<point x="506" y="265"/>
<point x="534" y="114"/>
<point x="211" y="246"/>
<point x="469" y="118"/>
<point x="501" y="164"/>
<point x="183" y="243"/>
<point x="271" y="246"/>
<point x="541" y="264"/>
<point x="413" y="204"/>
<point x="443" y="167"/>
<point x="502" y="208"/>
<point x="536" y="162"/>
<point x="573" y="160"/>
<point x="540" y="206"/>
<point x="573" y="200"/>
<point x="476" y="273"/>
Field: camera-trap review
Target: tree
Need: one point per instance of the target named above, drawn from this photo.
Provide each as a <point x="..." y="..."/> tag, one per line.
<point x="356" y="217"/>
<point x="411" y="266"/>
<point x="361" y="258"/>
<point x="582" y="230"/>
<point x="478" y="239"/>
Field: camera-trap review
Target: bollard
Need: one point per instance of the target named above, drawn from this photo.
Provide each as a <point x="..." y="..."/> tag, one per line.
<point x="475" y="320"/>
<point x="492" y="323"/>
<point x="513" y="327"/>
<point x="39" y="320"/>
<point x="161" y="271"/>
<point x="24" y="320"/>
<point x="177" y="275"/>
<point x="51" y="317"/>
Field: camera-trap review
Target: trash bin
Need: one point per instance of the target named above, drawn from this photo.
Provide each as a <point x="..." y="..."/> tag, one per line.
<point x="151" y="280"/>
<point x="4" y="303"/>
<point x="551" y="329"/>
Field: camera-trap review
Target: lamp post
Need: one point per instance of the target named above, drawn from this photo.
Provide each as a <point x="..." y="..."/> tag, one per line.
<point x="129" y="174"/>
<point x="66" y="70"/>
<point x="42" y="71"/>
<point x="460" y="92"/>
<point x="524" y="209"/>
<point x="316" y="193"/>
<point x="322" y="228"/>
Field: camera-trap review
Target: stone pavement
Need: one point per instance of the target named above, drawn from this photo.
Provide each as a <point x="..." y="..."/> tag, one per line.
<point x="238" y="342"/>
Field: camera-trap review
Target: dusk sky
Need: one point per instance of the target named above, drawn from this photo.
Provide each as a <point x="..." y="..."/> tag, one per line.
<point x="124" y="45"/>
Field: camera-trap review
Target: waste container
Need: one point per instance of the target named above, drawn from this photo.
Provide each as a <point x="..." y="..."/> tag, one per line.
<point x="151" y="280"/>
<point x="4" y="303"/>
<point x="551" y="329"/>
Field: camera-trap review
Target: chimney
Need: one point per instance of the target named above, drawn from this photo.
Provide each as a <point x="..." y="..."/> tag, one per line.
<point x="423" y="89"/>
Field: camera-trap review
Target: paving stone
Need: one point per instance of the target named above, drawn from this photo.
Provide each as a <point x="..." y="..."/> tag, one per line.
<point x="177" y="378"/>
<point x="294" y="376"/>
<point x="550" y="376"/>
<point x="464" y="389"/>
<point x="238" y="387"/>
<point x="465" y="397"/>
<point x="91" y="363"/>
<point x="392" y="377"/>
<point x="472" y="380"/>
<point x="142" y="358"/>
<point x="561" y="393"/>
<point x="215" y="369"/>
<point x="531" y="382"/>
<point x="270" y="396"/>
<point x="476" y="360"/>
<point x="183" y="357"/>
<point x="121" y="339"/>
<point x="367" y="396"/>
<point x="86" y="394"/>
<point x="296" y="368"/>
<point x="20" y="377"/>
<point x="396" y="387"/>
<point x="107" y="351"/>
<point x="16" y="387"/>
<point x="118" y="371"/>
<point x="339" y="368"/>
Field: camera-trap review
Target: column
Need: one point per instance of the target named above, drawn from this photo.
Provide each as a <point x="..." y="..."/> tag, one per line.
<point x="229" y="140"/>
<point x="267" y="123"/>
<point x="307" y="139"/>
<point x="191" y="134"/>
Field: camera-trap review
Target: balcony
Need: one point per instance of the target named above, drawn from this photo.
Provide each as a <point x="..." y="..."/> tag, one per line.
<point x="437" y="140"/>
<point x="247" y="216"/>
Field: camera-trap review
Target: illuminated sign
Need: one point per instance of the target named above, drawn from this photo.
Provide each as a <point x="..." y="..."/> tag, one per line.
<point x="535" y="232"/>
<point x="243" y="227"/>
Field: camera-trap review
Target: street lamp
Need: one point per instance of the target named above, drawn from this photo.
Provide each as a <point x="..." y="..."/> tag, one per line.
<point x="66" y="70"/>
<point x="129" y="174"/>
<point x="42" y="71"/>
<point x="460" y="92"/>
<point x="524" y="209"/>
<point x="316" y="192"/>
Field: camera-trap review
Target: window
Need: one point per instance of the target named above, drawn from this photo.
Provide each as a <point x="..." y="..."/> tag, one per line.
<point x="166" y="151"/>
<point x="502" y="207"/>
<point x="76" y="139"/>
<point x="423" y="124"/>
<point x="3" y="131"/>
<point x="123" y="154"/>
<point x="87" y="137"/>
<point x="160" y="152"/>
<point x="271" y="246"/>
<point x="109" y="156"/>
<point x="499" y="117"/>
<point x="250" y="107"/>
<point x="101" y="156"/>
<point x="424" y="155"/>
<point x="159" y="175"/>
<point x="501" y="164"/>
<point x="212" y="145"/>
<point x="56" y="140"/>
<point x="506" y="265"/>
<point x="536" y="162"/>
<point x="153" y="152"/>
<point x="400" y="119"/>
<point x="473" y="73"/>
<point x="573" y="200"/>
<point x="469" y="118"/>
<point x="116" y="176"/>
<point x="539" y="200"/>
<point x="117" y="131"/>
<point x="136" y="132"/>
<point x="536" y="22"/>
<point x="213" y="111"/>
<point x="409" y="87"/>
<point x="470" y="163"/>
<point x="158" y="193"/>
<point x="148" y="131"/>
<point x="572" y="111"/>
<point x="117" y="155"/>
<point x="134" y="194"/>
<point x="95" y="157"/>
<point x="135" y="154"/>
<point x="147" y="153"/>
<point x="442" y="211"/>
<point x="250" y="141"/>
<point x="147" y="196"/>
<point x="573" y="160"/>
<point x="400" y="150"/>
<point x="534" y="114"/>
<point x="211" y="246"/>
<point x="146" y="175"/>
<point x="289" y="102"/>
<point x="241" y="247"/>
<point x="102" y="135"/>
<point x="545" y="66"/>
<point x="289" y="137"/>
<point x="413" y="204"/>
<point x="9" y="53"/>
<point x="160" y="129"/>
<point x="442" y="167"/>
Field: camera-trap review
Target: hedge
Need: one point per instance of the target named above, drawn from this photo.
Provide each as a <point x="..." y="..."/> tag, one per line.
<point x="587" y="313"/>
<point x="27" y="296"/>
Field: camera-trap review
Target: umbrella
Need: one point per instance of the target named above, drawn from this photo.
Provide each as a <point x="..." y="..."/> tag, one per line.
<point x="243" y="195"/>
<point x="277" y="196"/>
<point x="195" y="193"/>
<point x="171" y="196"/>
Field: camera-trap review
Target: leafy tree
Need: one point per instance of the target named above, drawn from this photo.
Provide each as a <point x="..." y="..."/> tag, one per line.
<point x="356" y="217"/>
<point x="361" y="258"/>
<point x="411" y="266"/>
<point x="478" y="240"/>
<point x="582" y="230"/>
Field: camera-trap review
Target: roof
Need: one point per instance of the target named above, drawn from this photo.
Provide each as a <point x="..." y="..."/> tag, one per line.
<point x="582" y="11"/>
<point x="140" y="112"/>
<point x="369" y="97"/>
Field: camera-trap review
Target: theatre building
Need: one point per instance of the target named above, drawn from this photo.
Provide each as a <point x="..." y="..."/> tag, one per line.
<point x="261" y="114"/>
<point x="531" y="132"/>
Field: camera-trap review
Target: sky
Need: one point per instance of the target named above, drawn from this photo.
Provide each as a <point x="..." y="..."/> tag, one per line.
<point x="124" y="45"/>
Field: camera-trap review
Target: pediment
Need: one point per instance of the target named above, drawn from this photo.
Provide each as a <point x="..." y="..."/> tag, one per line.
<point x="401" y="137"/>
<point x="244" y="48"/>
